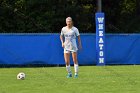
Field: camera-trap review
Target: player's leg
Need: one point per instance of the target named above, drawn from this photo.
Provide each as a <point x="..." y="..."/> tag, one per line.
<point x="74" y="56"/>
<point x="67" y="61"/>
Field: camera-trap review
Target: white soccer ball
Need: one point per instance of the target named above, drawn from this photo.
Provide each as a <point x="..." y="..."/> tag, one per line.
<point x="21" y="76"/>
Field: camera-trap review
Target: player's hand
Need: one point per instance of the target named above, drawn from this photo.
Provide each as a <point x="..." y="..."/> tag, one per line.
<point x="63" y="45"/>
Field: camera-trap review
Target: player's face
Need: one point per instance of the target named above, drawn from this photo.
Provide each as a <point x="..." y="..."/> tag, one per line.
<point x="69" y="23"/>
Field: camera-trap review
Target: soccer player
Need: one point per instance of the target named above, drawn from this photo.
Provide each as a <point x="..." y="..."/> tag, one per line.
<point x="68" y="40"/>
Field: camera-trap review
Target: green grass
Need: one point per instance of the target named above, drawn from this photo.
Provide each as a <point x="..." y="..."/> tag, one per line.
<point x="92" y="79"/>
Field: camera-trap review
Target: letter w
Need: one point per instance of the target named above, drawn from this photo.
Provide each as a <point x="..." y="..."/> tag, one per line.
<point x="100" y="19"/>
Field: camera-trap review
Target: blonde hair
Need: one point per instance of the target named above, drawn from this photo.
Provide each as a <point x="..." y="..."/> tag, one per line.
<point x="68" y="19"/>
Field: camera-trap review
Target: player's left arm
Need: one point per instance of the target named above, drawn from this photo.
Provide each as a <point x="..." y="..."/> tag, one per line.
<point x="79" y="42"/>
<point x="79" y="38"/>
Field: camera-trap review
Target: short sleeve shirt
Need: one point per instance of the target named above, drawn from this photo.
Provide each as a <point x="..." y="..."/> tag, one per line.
<point x="70" y="38"/>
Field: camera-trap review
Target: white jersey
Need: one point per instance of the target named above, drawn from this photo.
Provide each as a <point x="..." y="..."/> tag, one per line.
<point x="70" y="38"/>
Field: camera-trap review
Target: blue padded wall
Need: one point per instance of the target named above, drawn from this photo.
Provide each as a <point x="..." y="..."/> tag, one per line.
<point x="46" y="49"/>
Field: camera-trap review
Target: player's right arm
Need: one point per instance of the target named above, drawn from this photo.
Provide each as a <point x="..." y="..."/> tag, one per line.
<point x="61" y="38"/>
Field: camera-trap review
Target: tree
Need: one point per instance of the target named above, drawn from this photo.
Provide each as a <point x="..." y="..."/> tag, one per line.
<point x="35" y="16"/>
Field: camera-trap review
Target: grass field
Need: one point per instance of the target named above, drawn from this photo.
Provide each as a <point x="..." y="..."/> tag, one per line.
<point x="92" y="79"/>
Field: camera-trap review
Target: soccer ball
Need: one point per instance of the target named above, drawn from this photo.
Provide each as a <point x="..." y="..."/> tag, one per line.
<point x="21" y="76"/>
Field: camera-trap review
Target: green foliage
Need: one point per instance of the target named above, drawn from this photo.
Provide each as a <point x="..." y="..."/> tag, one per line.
<point x="122" y="16"/>
<point x="35" y="16"/>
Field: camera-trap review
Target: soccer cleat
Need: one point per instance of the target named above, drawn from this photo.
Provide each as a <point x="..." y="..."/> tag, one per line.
<point x="69" y="75"/>
<point x="76" y="76"/>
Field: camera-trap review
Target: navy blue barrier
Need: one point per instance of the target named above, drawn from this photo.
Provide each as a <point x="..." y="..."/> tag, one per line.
<point x="46" y="49"/>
